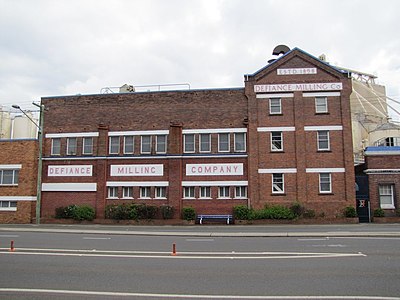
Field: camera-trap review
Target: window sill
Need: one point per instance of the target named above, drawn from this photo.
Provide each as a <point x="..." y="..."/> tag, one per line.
<point x="224" y="198"/>
<point x="277" y="114"/>
<point x="326" y="151"/>
<point x="9" y="185"/>
<point x="322" y="113"/>
<point x="113" y="198"/>
<point x="388" y="207"/>
<point x="8" y="209"/>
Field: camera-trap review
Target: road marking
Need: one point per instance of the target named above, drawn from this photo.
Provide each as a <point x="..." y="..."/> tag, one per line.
<point x="312" y="239"/>
<point x="200" y="240"/>
<point x="9" y="235"/>
<point x="186" y="296"/>
<point x="95" y="238"/>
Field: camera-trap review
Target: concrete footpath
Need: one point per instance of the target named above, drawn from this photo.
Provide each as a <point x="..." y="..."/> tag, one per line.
<point x="336" y="230"/>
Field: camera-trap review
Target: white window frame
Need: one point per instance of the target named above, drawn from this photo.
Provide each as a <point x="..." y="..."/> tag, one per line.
<point x="112" y="192"/>
<point x="113" y="145"/>
<point x="237" y="148"/>
<point x="386" y="193"/>
<point x="273" y="145"/>
<point x="127" y="192"/>
<point x="188" y="192"/>
<point x="160" y="192"/>
<point x="240" y="192"/>
<point x="53" y="152"/>
<point x="129" y="147"/>
<point x="323" y="140"/>
<point x="161" y="146"/>
<point x="8" y="205"/>
<point x="327" y="180"/>
<point x="224" y="192"/>
<point x="85" y="144"/>
<point x="228" y="142"/>
<point x="278" y="183"/>
<point x="205" y="192"/>
<point x="145" y="192"/>
<point x="14" y="180"/>
<point x="75" y="146"/>
<point x="185" y="143"/>
<point x="202" y="143"/>
<point x="142" y="151"/>
<point x="275" y="105"/>
<point x="321" y="104"/>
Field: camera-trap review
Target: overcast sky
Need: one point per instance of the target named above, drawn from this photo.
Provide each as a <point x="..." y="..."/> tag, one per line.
<point x="67" y="47"/>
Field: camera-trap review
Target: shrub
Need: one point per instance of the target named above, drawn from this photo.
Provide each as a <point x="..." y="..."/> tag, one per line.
<point x="118" y="212"/>
<point x="379" y="212"/>
<point x="398" y="212"/>
<point x="167" y="212"/>
<point x="309" y="213"/>
<point x="188" y="213"/>
<point x="65" y="212"/>
<point x="278" y="212"/>
<point x="83" y="213"/>
<point x="146" y="211"/>
<point x="297" y="209"/>
<point x="350" y="212"/>
<point x="241" y="212"/>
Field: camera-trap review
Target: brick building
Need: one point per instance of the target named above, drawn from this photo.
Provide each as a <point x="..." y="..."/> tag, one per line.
<point x="284" y="137"/>
<point x="18" y="175"/>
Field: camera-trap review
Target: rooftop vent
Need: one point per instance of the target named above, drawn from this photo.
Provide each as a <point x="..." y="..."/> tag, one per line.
<point x="127" y="88"/>
<point x="278" y="50"/>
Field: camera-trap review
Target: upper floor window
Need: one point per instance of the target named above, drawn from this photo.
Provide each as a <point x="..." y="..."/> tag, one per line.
<point x="161" y="192"/>
<point x="223" y="142"/>
<point x="113" y="192"/>
<point x="276" y="141"/>
<point x="278" y="183"/>
<point x="127" y="192"/>
<point x="87" y="147"/>
<point x="188" y="141"/>
<point x="145" y="192"/>
<point x="205" y="142"/>
<point x="386" y="196"/>
<point x="129" y="144"/>
<point x="205" y="192"/>
<point x="321" y="105"/>
<point x="224" y="192"/>
<point x="56" y="146"/>
<point x="71" y="146"/>
<point x="323" y="140"/>
<point x="241" y="192"/>
<point x="145" y="144"/>
<point x="9" y="177"/>
<point x="188" y="192"/>
<point x="275" y="106"/>
<point x="161" y="144"/>
<point x="114" y="145"/>
<point x="240" y="142"/>
<point x="325" y="183"/>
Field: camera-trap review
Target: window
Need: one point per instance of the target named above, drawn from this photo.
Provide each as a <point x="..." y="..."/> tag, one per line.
<point x="161" y="192"/>
<point x="325" y="185"/>
<point x="188" y="192"/>
<point x="127" y="192"/>
<point x="323" y="140"/>
<point x="8" y="205"/>
<point x="205" y="142"/>
<point x="114" y="145"/>
<point x="224" y="192"/>
<point x="146" y="144"/>
<point x="205" y="192"/>
<point x="386" y="196"/>
<point x="188" y="141"/>
<point x="145" y="192"/>
<point x="240" y="142"/>
<point x="276" y="141"/>
<point x="129" y="142"/>
<point x="223" y="142"/>
<point x="87" y="147"/>
<point x="161" y="144"/>
<point x="275" y="106"/>
<point x="241" y="192"/>
<point x="56" y="146"/>
<point x="321" y="105"/>
<point x="71" y="146"/>
<point x="278" y="184"/>
<point x="9" y="177"/>
<point x="113" y="192"/>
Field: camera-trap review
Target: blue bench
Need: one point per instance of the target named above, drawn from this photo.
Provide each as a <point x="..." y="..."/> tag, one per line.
<point x="228" y="218"/>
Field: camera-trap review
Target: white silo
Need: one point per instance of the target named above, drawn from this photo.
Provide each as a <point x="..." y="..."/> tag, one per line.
<point x="23" y="128"/>
<point x="5" y="124"/>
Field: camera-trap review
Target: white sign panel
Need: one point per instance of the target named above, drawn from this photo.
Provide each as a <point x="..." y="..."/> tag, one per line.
<point x="291" y="87"/>
<point x="213" y="169"/>
<point x="137" y="170"/>
<point x="70" y="170"/>
<point x="296" y="71"/>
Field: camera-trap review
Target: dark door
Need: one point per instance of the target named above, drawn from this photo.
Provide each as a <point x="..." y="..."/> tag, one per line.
<point x="362" y="199"/>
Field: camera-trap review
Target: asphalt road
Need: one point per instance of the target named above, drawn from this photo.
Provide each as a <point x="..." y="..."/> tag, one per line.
<point x="49" y="265"/>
